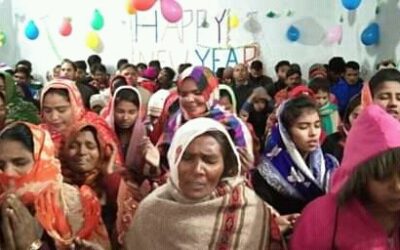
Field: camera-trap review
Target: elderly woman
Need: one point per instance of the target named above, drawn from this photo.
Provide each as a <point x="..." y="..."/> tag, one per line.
<point x="205" y="204"/>
<point x="37" y="208"/>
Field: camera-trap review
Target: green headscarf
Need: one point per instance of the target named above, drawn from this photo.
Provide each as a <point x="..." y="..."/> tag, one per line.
<point x="17" y="108"/>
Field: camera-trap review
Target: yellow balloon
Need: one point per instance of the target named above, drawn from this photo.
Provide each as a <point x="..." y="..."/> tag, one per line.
<point x="233" y="21"/>
<point x="92" y="40"/>
<point x="130" y="8"/>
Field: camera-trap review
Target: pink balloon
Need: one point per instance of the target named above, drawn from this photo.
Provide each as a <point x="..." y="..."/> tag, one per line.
<point x="334" y="35"/>
<point x="171" y="10"/>
<point x="66" y="27"/>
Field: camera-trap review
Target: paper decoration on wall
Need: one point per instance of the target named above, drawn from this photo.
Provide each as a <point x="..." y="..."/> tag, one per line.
<point x="293" y="33"/>
<point x="371" y="35"/>
<point x="31" y="30"/>
<point x="66" y="27"/>
<point x="93" y="40"/>
<point x="205" y="23"/>
<point x="143" y="5"/>
<point x="130" y="9"/>
<point x="273" y="14"/>
<point x="97" y="20"/>
<point x="351" y="4"/>
<point x="334" y="35"/>
<point x="171" y="10"/>
<point x="233" y="21"/>
<point x="252" y="25"/>
<point x="3" y="39"/>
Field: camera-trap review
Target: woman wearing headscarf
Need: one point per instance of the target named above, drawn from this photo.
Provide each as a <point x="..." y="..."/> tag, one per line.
<point x="33" y="196"/>
<point x="294" y="170"/>
<point x="126" y="118"/>
<point x="227" y="98"/>
<point x="205" y="201"/>
<point x="17" y="108"/>
<point x="198" y="97"/>
<point x="62" y="106"/>
<point x="88" y="159"/>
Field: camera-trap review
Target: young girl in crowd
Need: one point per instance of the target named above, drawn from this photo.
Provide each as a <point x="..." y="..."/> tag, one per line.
<point x="32" y="192"/>
<point x="141" y="157"/>
<point x="258" y="107"/>
<point x="227" y="98"/>
<point x="362" y="210"/>
<point x="206" y="202"/>
<point x="294" y="170"/>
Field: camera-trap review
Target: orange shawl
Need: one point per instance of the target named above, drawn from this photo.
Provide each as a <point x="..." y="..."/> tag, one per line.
<point x="98" y="178"/>
<point x="79" y="114"/>
<point x="43" y="188"/>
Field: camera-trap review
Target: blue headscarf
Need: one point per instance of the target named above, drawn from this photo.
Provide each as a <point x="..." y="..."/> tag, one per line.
<point x="284" y="169"/>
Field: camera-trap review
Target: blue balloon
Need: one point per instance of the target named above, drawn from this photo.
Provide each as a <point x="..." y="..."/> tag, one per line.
<point x="351" y="4"/>
<point x="31" y="30"/>
<point x="371" y="34"/>
<point x="293" y="34"/>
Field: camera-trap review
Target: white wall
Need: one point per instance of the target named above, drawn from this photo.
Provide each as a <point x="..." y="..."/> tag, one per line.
<point x="123" y="35"/>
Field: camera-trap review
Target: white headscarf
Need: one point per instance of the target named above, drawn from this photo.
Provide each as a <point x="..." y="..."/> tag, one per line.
<point x="156" y="102"/>
<point x="186" y="134"/>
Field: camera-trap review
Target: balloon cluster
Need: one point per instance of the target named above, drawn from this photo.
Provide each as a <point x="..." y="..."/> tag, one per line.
<point x="93" y="40"/>
<point x="170" y="9"/>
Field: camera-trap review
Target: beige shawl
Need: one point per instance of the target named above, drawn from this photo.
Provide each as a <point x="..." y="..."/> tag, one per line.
<point x="232" y="217"/>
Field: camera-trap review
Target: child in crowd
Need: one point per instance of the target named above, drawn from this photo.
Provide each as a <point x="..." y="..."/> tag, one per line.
<point x="100" y="76"/>
<point x="329" y="112"/>
<point x="227" y="98"/>
<point x="257" y="108"/>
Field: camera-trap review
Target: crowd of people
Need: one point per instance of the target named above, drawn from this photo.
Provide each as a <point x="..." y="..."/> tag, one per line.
<point x="150" y="158"/>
